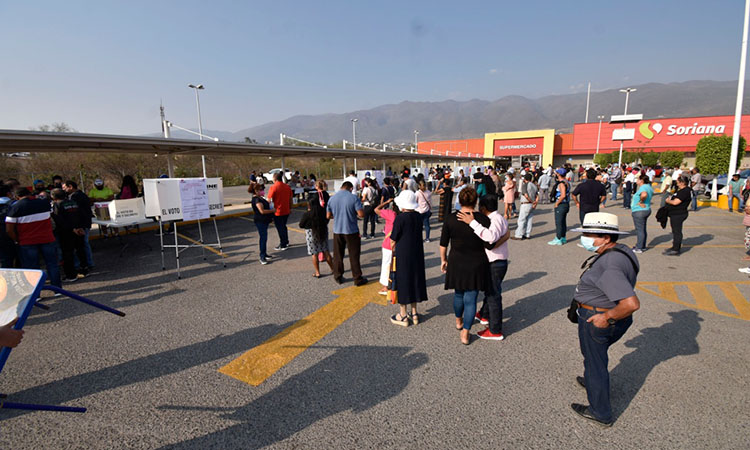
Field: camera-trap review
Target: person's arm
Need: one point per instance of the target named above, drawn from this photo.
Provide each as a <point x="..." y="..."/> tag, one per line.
<point x="262" y="210"/>
<point x="624" y="308"/>
<point x="444" y="259"/>
<point x="382" y="205"/>
<point x="491" y="234"/>
<point x="642" y="199"/>
<point x="674" y="201"/>
<point x="503" y="239"/>
<point x="361" y="213"/>
<point x="10" y="230"/>
<point x="10" y="337"/>
<point x="563" y="191"/>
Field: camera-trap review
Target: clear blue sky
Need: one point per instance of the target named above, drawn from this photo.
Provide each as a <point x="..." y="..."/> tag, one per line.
<point x="103" y="66"/>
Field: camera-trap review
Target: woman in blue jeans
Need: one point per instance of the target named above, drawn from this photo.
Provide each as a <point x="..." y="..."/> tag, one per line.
<point x="640" y="206"/>
<point x="262" y="216"/>
<point x="562" y="206"/>
<point x="466" y="268"/>
<point x="424" y="202"/>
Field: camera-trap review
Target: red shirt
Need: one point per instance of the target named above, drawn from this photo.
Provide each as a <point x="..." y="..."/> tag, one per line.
<point x="281" y="196"/>
<point x="33" y="221"/>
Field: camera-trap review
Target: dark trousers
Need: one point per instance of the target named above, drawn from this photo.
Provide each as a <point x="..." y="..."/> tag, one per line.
<point x="585" y="209"/>
<point x="353" y="243"/>
<point x="71" y="243"/>
<point x="595" y="343"/>
<point x="262" y="237"/>
<point x="561" y="214"/>
<point x="426" y="223"/>
<point x="676" y="223"/>
<point x="369" y="218"/>
<point x="493" y="303"/>
<point x="8" y="253"/>
<point x="280" y="223"/>
<point x="29" y="255"/>
<point x="627" y="195"/>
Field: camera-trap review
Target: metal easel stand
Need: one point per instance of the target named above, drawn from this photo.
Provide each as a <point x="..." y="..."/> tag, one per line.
<point x="179" y="248"/>
<point x="38" y="407"/>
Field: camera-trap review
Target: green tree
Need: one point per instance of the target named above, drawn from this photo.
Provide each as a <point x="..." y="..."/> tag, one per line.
<point x="713" y="152"/>
<point x="649" y="158"/>
<point x="671" y="158"/>
<point x="627" y="157"/>
<point x="603" y="159"/>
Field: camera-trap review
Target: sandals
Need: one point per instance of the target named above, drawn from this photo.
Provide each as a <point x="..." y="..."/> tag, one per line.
<point x="316" y="276"/>
<point x="414" y="318"/>
<point x="403" y="321"/>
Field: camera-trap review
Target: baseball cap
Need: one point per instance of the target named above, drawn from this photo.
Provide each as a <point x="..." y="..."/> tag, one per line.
<point x="98" y="181"/>
<point x="560" y="171"/>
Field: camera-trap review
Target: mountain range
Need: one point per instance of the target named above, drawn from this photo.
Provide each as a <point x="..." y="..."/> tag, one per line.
<point x="452" y="119"/>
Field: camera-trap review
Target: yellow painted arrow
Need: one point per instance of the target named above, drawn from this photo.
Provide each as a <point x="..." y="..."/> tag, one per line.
<point x="256" y="365"/>
<point x="701" y="297"/>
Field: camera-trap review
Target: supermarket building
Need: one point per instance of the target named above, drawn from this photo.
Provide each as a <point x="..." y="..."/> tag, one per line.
<point x="579" y="147"/>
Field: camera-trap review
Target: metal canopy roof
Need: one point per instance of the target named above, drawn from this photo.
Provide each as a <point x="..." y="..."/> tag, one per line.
<point x="16" y="141"/>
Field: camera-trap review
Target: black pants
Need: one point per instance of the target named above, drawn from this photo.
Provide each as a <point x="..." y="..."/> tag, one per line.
<point x="8" y="252"/>
<point x="493" y="303"/>
<point x="369" y="218"/>
<point x="69" y="243"/>
<point x="585" y="209"/>
<point x="676" y="223"/>
<point x="340" y="243"/>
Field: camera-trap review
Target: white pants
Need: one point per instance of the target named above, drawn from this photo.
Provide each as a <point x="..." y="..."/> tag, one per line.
<point x="385" y="266"/>
<point x="525" y="217"/>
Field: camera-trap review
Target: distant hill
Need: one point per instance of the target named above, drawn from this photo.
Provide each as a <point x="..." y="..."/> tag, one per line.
<point x="471" y="119"/>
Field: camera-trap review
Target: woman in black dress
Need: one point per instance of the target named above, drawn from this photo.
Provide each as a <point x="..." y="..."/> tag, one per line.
<point x="467" y="267"/>
<point x="678" y="213"/>
<point x="410" y="283"/>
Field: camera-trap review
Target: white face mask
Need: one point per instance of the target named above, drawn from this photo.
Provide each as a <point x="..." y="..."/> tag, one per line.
<point x="588" y="244"/>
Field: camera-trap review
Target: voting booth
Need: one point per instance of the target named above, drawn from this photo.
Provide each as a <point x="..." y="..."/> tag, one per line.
<point x="174" y="200"/>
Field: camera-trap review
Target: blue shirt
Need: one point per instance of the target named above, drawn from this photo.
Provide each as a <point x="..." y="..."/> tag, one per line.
<point x="634" y="206"/>
<point x="344" y="206"/>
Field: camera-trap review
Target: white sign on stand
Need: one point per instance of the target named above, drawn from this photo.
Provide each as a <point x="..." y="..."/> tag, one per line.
<point x="194" y="197"/>
<point x="163" y="197"/>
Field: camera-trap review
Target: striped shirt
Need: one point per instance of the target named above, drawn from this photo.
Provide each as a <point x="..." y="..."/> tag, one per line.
<point x="32" y="219"/>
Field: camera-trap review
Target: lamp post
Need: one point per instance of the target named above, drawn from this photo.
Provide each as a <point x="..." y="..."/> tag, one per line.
<point x="627" y="92"/>
<point x="738" y="104"/>
<point x="354" y="140"/>
<point x="196" y="88"/>
<point x="599" y="135"/>
<point x="416" y="142"/>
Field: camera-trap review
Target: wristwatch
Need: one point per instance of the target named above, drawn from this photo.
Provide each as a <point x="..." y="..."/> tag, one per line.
<point x="611" y="321"/>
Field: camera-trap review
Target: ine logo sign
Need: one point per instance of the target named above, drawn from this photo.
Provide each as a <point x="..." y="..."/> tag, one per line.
<point x="649" y="131"/>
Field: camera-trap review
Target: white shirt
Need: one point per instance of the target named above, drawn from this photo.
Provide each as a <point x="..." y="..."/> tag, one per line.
<point x="630" y="178"/>
<point x="498" y="228"/>
<point x="676" y="174"/>
<point x="651" y="174"/>
<point x="354" y="181"/>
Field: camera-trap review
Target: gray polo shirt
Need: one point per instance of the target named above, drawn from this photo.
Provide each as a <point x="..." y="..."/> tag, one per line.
<point x="530" y="189"/>
<point x="609" y="280"/>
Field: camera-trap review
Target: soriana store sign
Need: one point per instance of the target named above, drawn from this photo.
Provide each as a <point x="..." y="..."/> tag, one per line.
<point x="682" y="134"/>
<point x="517" y="147"/>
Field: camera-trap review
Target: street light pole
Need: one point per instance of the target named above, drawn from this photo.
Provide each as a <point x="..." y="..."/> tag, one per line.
<point x="738" y="106"/>
<point x="627" y="92"/>
<point x="354" y="140"/>
<point x="598" y="136"/>
<point x="416" y="141"/>
<point x="196" y="88"/>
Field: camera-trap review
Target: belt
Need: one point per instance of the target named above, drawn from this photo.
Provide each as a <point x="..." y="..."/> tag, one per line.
<point x="592" y="308"/>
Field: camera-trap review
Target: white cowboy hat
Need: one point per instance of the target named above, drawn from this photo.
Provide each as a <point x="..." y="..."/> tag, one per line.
<point x="600" y="223"/>
<point x="406" y="200"/>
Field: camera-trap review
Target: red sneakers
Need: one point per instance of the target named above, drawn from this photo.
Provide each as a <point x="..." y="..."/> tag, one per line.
<point x="481" y="319"/>
<point x="486" y="334"/>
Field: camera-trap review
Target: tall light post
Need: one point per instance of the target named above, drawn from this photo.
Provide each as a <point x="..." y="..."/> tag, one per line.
<point x="416" y="142"/>
<point x="738" y="104"/>
<point x="354" y="139"/>
<point x="627" y="92"/>
<point x="598" y="136"/>
<point x="196" y="88"/>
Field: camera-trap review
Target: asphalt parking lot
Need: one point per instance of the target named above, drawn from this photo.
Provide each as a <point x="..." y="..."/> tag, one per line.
<point x="323" y="367"/>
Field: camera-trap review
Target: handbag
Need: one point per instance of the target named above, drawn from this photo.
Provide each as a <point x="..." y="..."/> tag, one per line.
<point x="573" y="311"/>
<point x="306" y="221"/>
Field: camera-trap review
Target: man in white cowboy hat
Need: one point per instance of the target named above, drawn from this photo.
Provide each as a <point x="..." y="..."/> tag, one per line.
<point x="606" y="301"/>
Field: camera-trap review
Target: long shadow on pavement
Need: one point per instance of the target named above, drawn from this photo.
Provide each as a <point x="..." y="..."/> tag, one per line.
<point x="686" y="242"/>
<point x="530" y="310"/>
<point x="652" y="347"/>
<point x="353" y="379"/>
<point x="143" y="369"/>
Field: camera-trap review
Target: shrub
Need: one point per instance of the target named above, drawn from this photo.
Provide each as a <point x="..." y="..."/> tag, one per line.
<point x="649" y="158"/>
<point x="603" y="159"/>
<point x="713" y="152"/>
<point x="671" y="158"/>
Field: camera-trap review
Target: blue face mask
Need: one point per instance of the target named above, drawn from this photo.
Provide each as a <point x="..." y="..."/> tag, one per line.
<point x="588" y="244"/>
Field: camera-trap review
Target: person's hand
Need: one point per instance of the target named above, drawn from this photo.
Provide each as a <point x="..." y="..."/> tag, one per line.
<point x="641" y="204"/>
<point x="465" y="217"/>
<point x="533" y="205"/>
<point x="10" y="337"/>
<point x="599" y="321"/>
<point x="444" y="266"/>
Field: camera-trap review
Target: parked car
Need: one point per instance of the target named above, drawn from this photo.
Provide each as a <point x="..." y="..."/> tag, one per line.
<point x="268" y="176"/>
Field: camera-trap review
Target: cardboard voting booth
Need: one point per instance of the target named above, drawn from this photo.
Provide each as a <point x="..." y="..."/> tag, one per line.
<point x="128" y="211"/>
<point x="184" y="199"/>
